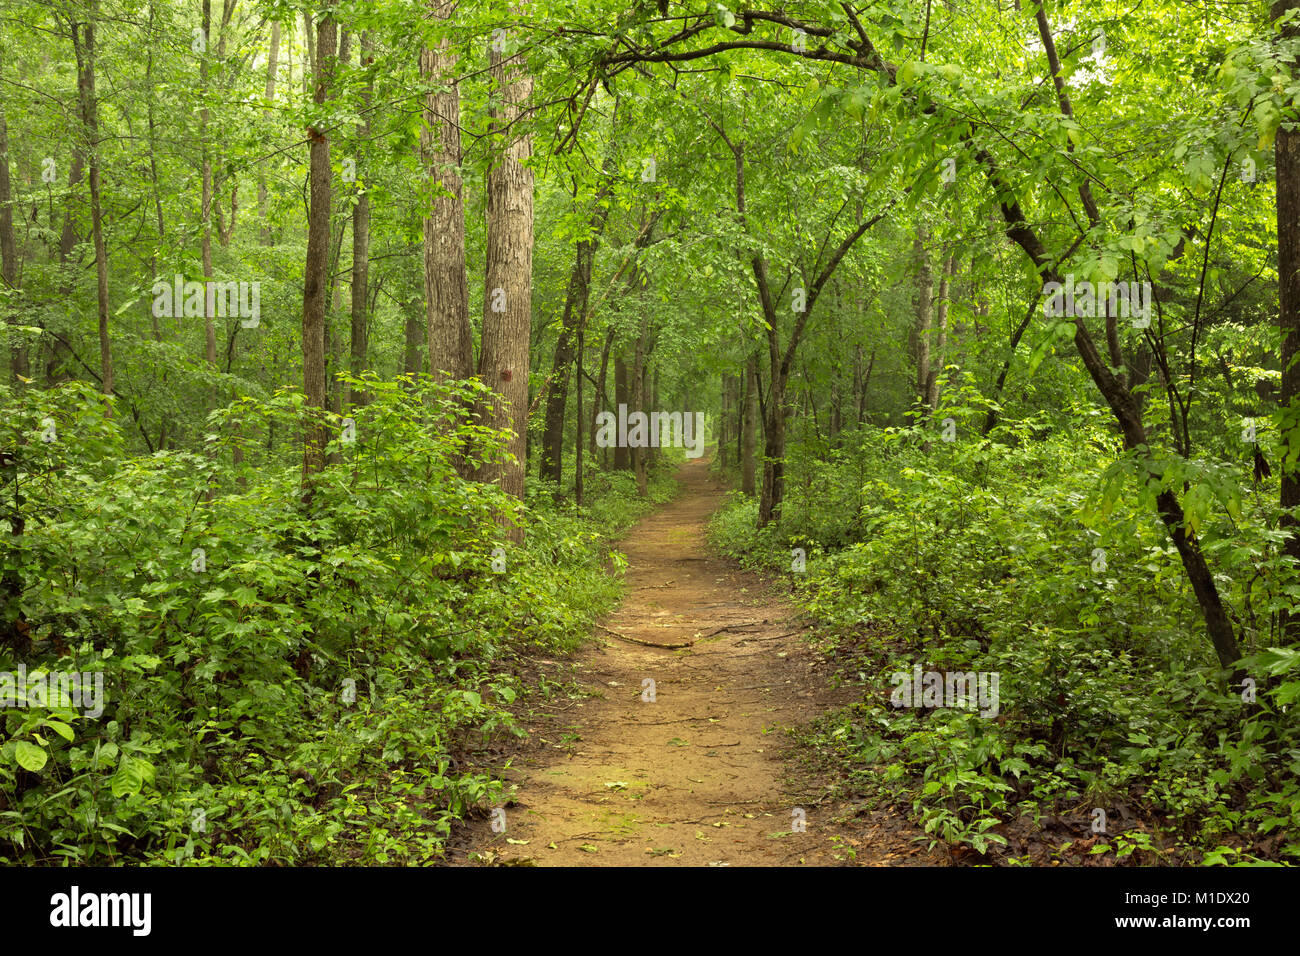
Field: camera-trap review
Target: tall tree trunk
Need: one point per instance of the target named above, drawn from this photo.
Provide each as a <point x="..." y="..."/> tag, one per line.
<point x="1117" y="392"/>
<point x="13" y="627"/>
<point x="579" y="437"/>
<point x="773" y="491"/>
<point x="836" y="421"/>
<point x="655" y="406"/>
<point x="291" y="31"/>
<point x="741" y="389"/>
<point x="8" y="246"/>
<point x="415" y="339"/>
<point x="205" y="208"/>
<point x="58" y="367"/>
<point x="237" y="451"/>
<point x="621" y="460"/>
<point x="84" y="47"/>
<point x="924" y="317"/>
<point x="446" y="287"/>
<point x="334" y="342"/>
<point x="646" y="451"/>
<point x="637" y="390"/>
<point x="271" y="66"/>
<point x="557" y="386"/>
<point x="156" y="189"/>
<point x="729" y="401"/>
<point x="862" y="384"/>
<point x="1286" y="153"/>
<point x="315" y="273"/>
<point x="940" y="336"/>
<point x="310" y="68"/>
<point x="749" y="431"/>
<point x="359" y="340"/>
<point x="507" y="300"/>
<point x="223" y="234"/>
<point x="598" y="400"/>
<point x="334" y="289"/>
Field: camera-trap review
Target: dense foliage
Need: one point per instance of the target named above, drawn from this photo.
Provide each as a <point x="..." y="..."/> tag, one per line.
<point x="310" y="689"/>
<point x="1028" y="554"/>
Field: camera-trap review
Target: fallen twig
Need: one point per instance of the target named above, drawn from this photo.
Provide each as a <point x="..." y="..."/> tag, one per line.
<point x="637" y="640"/>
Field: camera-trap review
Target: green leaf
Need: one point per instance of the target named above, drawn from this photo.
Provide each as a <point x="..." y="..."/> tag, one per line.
<point x="909" y="71"/>
<point x="29" y="756"/>
<point x="60" y="728"/>
<point x="132" y="774"/>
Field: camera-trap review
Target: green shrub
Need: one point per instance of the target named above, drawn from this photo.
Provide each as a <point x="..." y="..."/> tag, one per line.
<point x="285" y="680"/>
<point x="1022" y="557"/>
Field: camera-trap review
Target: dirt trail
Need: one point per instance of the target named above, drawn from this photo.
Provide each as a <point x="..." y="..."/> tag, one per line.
<point x="694" y="776"/>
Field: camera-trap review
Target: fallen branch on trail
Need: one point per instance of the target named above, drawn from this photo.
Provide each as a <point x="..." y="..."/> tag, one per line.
<point x="637" y="640"/>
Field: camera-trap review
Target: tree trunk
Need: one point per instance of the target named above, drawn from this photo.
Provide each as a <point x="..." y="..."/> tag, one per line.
<point x="1286" y="153"/>
<point x="861" y="385"/>
<point x="557" y="389"/>
<point x="940" y="336"/>
<point x="310" y="68"/>
<point x="741" y="390"/>
<point x="358" y="341"/>
<point x="205" y="206"/>
<point x="85" y="52"/>
<point x="738" y="415"/>
<point x="655" y="406"/>
<point x="769" y="503"/>
<point x="446" y="287"/>
<point x="415" y="338"/>
<point x="150" y="94"/>
<point x="621" y="460"/>
<point x="13" y="626"/>
<point x="507" y="300"/>
<point x="271" y="65"/>
<point x="924" y="317"/>
<point x="334" y="345"/>
<point x="724" y="425"/>
<point x="598" y="400"/>
<point x="773" y="489"/>
<point x="223" y="234"/>
<point x="637" y="388"/>
<point x="58" y="367"/>
<point x="749" y="430"/>
<point x="8" y="246"/>
<point x="334" y="295"/>
<point x="836" y="422"/>
<point x="315" y="273"/>
<point x="579" y="439"/>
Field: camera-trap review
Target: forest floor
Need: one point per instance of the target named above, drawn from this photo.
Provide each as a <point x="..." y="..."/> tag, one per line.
<point x="704" y="773"/>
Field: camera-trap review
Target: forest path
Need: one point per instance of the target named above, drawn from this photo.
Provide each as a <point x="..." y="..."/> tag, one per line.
<point x="696" y="776"/>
